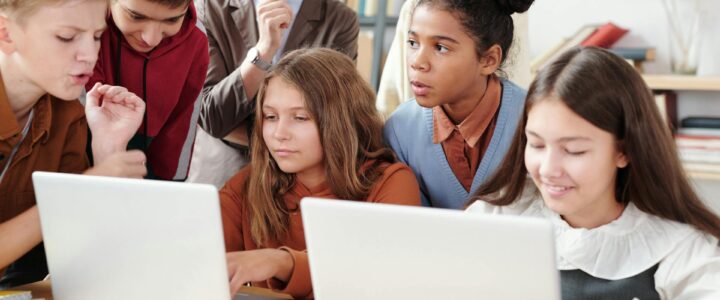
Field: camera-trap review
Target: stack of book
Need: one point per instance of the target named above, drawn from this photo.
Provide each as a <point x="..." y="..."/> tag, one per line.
<point x="698" y="143"/>
<point x="636" y="56"/>
<point x="598" y="35"/>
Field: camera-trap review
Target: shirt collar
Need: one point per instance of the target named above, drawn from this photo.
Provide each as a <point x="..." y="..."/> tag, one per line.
<point x="9" y="126"/>
<point x="473" y="127"/>
<point x="42" y="119"/>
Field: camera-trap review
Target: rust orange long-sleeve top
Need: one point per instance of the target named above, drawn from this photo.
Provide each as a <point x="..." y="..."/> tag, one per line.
<point x="396" y="186"/>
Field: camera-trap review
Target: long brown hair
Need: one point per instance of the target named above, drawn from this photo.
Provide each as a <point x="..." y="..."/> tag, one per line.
<point x="343" y="106"/>
<point x="607" y="92"/>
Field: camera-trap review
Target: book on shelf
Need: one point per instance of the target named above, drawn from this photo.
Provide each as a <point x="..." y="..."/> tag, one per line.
<point x="563" y="45"/>
<point x="599" y="35"/>
<point x="701" y="122"/>
<point x="699" y="153"/>
<point x="667" y="105"/>
<point x="699" y="156"/>
<point x="706" y="132"/>
<point x="640" y="54"/>
<point x="605" y="36"/>
<point x="684" y="141"/>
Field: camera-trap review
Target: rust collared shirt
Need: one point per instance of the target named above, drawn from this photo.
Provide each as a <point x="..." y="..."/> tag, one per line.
<point x="55" y="142"/>
<point x="465" y="143"/>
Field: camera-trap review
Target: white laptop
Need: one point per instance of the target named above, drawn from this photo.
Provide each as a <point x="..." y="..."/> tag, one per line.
<point x="361" y="250"/>
<point x="112" y="238"/>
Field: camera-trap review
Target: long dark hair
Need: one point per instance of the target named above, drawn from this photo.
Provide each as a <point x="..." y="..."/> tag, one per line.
<point x="607" y="92"/>
<point x="343" y="106"/>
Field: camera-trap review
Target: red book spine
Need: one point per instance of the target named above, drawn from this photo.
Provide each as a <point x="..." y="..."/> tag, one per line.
<point x="605" y="36"/>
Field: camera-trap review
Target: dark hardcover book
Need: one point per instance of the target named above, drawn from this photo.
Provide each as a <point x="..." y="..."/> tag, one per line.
<point x="636" y="54"/>
<point x="701" y="122"/>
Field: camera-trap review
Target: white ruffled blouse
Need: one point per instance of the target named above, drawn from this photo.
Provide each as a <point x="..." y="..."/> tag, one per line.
<point x="689" y="260"/>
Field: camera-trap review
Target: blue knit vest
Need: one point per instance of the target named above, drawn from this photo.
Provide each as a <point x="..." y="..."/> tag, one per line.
<point x="409" y="132"/>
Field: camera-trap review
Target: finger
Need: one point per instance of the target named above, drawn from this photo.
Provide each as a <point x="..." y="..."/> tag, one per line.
<point x="235" y="284"/>
<point x="279" y="21"/>
<point x="104" y="88"/>
<point x="268" y="5"/>
<point x="139" y="104"/>
<point x="282" y="9"/>
<point x="119" y="98"/>
<point x="137" y="171"/>
<point x="133" y="101"/>
<point x="270" y="12"/>
<point x="135" y="157"/>
<point x="93" y="97"/>
<point x="113" y="91"/>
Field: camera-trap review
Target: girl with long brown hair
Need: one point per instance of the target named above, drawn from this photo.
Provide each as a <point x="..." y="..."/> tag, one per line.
<point x="605" y="172"/>
<point x="317" y="134"/>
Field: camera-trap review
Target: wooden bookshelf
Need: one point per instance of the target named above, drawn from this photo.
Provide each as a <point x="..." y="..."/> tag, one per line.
<point x="683" y="82"/>
<point x="704" y="176"/>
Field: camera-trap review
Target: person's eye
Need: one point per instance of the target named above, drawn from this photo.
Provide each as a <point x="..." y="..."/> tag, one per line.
<point x="269" y="117"/>
<point x="413" y="44"/>
<point x="137" y="17"/>
<point x="536" y="146"/>
<point x="442" y="49"/>
<point x="65" y="39"/>
<point x="575" y="153"/>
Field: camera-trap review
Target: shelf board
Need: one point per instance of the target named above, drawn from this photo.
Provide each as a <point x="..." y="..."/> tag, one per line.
<point x="704" y="176"/>
<point x="370" y="21"/>
<point x="683" y="82"/>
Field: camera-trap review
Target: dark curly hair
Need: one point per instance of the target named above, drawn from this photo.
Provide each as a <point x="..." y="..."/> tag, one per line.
<point x="488" y="22"/>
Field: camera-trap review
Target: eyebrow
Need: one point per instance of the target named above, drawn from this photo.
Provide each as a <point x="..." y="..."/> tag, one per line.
<point x="83" y="29"/>
<point x="437" y="37"/>
<point x="563" y="139"/>
<point x="146" y="17"/>
<point x="265" y="106"/>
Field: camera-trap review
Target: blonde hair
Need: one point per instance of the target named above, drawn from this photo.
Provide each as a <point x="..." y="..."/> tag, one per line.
<point x="21" y="9"/>
<point x="343" y="105"/>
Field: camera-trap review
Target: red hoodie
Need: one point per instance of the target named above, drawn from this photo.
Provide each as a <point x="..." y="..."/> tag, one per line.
<point x="169" y="79"/>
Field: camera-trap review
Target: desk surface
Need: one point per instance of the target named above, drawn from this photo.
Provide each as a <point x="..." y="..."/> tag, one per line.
<point x="42" y="289"/>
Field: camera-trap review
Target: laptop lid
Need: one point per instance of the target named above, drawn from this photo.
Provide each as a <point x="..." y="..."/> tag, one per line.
<point x="363" y="250"/>
<point x="113" y="238"/>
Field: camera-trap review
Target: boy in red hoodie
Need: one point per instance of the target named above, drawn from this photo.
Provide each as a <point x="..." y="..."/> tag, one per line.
<point x="159" y="51"/>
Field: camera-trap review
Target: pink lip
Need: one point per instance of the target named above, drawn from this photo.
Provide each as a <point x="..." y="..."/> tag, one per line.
<point x="283" y="152"/>
<point x="556" y="192"/>
<point x="419" y="89"/>
<point x="81" y="79"/>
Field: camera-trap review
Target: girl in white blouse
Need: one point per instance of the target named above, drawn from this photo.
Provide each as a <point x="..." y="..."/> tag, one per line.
<point x="605" y="171"/>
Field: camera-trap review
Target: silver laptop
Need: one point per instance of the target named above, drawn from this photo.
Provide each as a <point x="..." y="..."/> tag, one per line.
<point x="362" y="250"/>
<point x="111" y="238"/>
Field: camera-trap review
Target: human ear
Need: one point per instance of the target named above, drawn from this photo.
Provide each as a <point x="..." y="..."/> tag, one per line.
<point x="491" y="59"/>
<point x="6" y="44"/>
